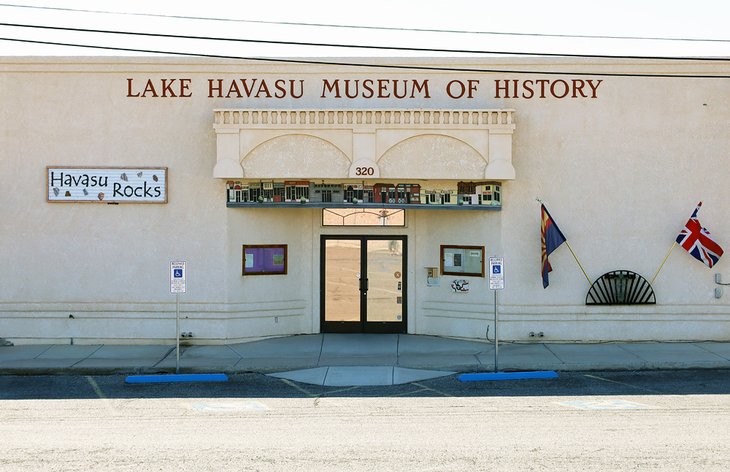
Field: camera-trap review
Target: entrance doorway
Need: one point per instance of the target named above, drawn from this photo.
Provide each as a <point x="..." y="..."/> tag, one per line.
<point x="363" y="284"/>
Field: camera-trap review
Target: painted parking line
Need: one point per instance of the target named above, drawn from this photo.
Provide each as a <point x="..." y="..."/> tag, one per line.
<point x="306" y="392"/>
<point x="229" y="407"/>
<point x="406" y="394"/>
<point x="340" y="390"/>
<point x="611" y="404"/>
<point x="297" y="387"/>
<point x="433" y="390"/>
<point x="95" y="386"/>
<point x="621" y="383"/>
<point x="108" y="404"/>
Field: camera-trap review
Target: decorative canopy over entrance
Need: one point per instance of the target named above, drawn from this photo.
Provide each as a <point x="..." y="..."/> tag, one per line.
<point x="359" y="144"/>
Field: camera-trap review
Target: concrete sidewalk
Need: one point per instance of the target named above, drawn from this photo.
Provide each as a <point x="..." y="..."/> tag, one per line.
<point x="359" y="359"/>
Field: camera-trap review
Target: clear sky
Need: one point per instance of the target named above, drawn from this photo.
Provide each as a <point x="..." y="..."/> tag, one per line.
<point x="530" y="25"/>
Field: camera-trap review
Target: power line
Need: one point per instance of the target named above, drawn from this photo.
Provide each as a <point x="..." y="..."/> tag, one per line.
<point x="357" y="46"/>
<point x="369" y="65"/>
<point x="377" y="28"/>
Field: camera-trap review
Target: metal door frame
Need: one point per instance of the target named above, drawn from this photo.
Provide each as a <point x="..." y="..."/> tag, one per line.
<point x="363" y="326"/>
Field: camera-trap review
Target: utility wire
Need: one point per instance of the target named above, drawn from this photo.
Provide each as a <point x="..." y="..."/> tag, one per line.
<point x="357" y="46"/>
<point x="376" y="28"/>
<point x="370" y="65"/>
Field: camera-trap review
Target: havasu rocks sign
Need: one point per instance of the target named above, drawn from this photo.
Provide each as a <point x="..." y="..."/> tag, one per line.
<point x="107" y="185"/>
<point x="364" y="88"/>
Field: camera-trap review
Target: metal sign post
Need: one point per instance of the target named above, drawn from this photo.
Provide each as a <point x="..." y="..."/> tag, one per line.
<point x="177" y="333"/>
<point x="496" y="282"/>
<point x="178" y="274"/>
<point x="496" y="335"/>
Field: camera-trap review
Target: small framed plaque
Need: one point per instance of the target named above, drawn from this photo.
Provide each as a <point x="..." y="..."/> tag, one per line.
<point x="264" y="259"/>
<point x="462" y="260"/>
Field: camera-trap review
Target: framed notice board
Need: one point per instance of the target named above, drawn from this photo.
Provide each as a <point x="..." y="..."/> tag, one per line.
<point x="462" y="260"/>
<point x="264" y="259"/>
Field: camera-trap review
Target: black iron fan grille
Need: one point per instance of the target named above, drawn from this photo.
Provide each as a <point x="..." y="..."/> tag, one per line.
<point x="620" y="287"/>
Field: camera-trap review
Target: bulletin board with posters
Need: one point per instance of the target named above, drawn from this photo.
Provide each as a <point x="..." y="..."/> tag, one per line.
<point x="264" y="259"/>
<point x="462" y="260"/>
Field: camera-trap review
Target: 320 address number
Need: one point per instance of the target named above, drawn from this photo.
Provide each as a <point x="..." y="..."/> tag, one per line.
<point x="364" y="171"/>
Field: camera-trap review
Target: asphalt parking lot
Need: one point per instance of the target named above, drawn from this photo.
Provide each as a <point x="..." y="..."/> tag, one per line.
<point x="255" y="385"/>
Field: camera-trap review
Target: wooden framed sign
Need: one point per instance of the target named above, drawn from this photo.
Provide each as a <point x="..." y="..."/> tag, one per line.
<point x="264" y="259"/>
<point x="107" y="184"/>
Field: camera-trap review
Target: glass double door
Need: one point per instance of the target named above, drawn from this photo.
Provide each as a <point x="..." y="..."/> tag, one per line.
<point x="363" y="284"/>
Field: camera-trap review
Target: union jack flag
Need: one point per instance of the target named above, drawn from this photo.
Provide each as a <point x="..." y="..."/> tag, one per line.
<point x="697" y="241"/>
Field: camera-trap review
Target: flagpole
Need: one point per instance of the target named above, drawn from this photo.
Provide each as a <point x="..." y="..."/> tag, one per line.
<point x="579" y="264"/>
<point x="662" y="264"/>
<point x="565" y="240"/>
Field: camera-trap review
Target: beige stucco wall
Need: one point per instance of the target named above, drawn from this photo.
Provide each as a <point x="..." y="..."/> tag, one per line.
<point x="620" y="173"/>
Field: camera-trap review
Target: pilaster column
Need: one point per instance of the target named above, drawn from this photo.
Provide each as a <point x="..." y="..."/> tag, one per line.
<point x="500" y="155"/>
<point x="363" y="154"/>
<point x="228" y="164"/>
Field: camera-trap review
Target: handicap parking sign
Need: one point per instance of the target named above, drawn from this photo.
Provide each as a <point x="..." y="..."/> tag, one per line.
<point x="496" y="273"/>
<point x="177" y="277"/>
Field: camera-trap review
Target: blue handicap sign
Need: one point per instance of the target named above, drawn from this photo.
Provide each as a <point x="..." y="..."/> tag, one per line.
<point x="177" y="273"/>
<point x="496" y="269"/>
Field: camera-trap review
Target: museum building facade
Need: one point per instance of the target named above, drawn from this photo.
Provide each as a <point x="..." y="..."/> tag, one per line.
<point x="362" y="195"/>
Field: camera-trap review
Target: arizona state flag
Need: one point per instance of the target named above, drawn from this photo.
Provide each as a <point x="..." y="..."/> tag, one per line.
<point x="552" y="238"/>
